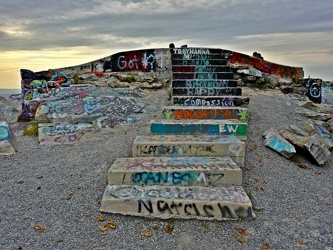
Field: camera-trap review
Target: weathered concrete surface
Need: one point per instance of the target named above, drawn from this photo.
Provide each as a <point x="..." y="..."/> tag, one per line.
<point x="275" y="141"/>
<point x="190" y="145"/>
<point x="315" y="147"/>
<point x="87" y="109"/>
<point x="313" y="115"/>
<point x="7" y="140"/>
<point x="219" y="203"/>
<point x="193" y="127"/>
<point x="178" y="171"/>
<point x="195" y="112"/>
<point x="225" y="101"/>
<point x="9" y="109"/>
<point x="206" y="91"/>
<point x="322" y="133"/>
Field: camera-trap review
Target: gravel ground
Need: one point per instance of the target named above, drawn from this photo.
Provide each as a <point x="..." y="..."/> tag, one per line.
<point x="59" y="189"/>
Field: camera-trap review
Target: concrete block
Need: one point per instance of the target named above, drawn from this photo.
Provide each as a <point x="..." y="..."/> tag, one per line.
<point x="7" y="140"/>
<point x="177" y="171"/>
<point x="194" y="127"/>
<point x="224" y="101"/>
<point x="205" y="203"/>
<point x="195" y="61"/>
<point x="275" y="141"/>
<point x="189" y="146"/>
<point x="206" y="92"/>
<point x="200" y="69"/>
<point x="195" y="112"/>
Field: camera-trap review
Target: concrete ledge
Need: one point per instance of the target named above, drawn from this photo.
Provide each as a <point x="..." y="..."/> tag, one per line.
<point x="195" y="112"/>
<point x="179" y="171"/>
<point x="206" y="91"/>
<point x="189" y="145"/>
<point x="194" y="127"/>
<point x="225" y="101"/>
<point x="222" y="203"/>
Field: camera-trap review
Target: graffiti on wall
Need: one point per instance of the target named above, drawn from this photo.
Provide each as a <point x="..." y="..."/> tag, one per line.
<point x="267" y="67"/>
<point x="313" y="87"/>
<point x="134" y="60"/>
<point x="210" y="101"/>
<point x="4" y="132"/>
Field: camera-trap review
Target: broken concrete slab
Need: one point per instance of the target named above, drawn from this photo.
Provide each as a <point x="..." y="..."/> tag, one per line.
<point x="298" y="130"/>
<point x="315" y="147"/>
<point x="313" y="115"/>
<point x="322" y="133"/>
<point x="7" y="140"/>
<point x="276" y="142"/>
<point x="205" y="203"/>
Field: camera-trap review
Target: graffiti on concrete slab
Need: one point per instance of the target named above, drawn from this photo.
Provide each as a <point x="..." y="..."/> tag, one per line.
<point x="4" y="132"/>
<point x="199" y="62"/>
<point x="113" y="121"/>
<point x="63" y="129"/>
<point x="144" y="60"/>
<point x="210" y="101"/>
<point x="206" y="91"/>
<point x="267" y="67"/>
<point x="327" y="93"/>
<point x="221" y="114"/>
<point x="313" y="86"/>
<point x="163" y="60"/>
<point x="204" y="84"/>
<point x="203" y="76"/>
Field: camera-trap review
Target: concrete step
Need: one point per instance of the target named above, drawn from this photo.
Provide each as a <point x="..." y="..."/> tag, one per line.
<point x="190" y="146"/>
<point x="195" y="127"/>
<point x="195" y="112"/>
<point x="206" y="91"/>
<point x="203" y="76"/>
<point x="179" y="171"/>
<point x="189" y="51"/>
<point x="205" y="203"/>
<point x="225" y="101"/>
<point x="204" y="84"/>
<point x="208" y="60"/>
<point x="200" y="69"/>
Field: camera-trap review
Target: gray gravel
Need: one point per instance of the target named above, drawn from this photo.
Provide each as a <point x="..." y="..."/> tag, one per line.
<point x="63" y="187"/>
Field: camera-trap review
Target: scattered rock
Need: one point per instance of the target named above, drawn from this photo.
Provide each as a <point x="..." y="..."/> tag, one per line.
<point x="7" y="139"/>
<point x="275" y="141"/>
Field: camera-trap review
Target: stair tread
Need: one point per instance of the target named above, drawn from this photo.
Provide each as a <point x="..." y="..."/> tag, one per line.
<point x="170" y="139"/>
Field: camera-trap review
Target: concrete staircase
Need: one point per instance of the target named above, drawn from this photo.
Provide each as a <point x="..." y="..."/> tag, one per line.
<point x="189" y="165"/>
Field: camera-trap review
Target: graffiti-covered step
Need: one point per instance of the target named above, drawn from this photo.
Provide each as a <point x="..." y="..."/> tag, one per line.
<point x="200" y="69"/>
<point x="208" y="91"/>
<point x="195" y="112"/>
<point x="208" y="101"/>
<point x="203" y="75"/>
<point x="195" y="127"/>
<point x="189" y="146"/>
<point x="178" y="171"/>
<point x="205" y="203"/>
<point x="196" y="60"/>
<point x="204" y="84"/>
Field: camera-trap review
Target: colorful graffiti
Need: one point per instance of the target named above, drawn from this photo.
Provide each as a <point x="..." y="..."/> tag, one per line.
<point x="267" y="67"/>
<point x="206" y="91"/>
<point x="313" y="86"/>
<point x="136" y="60"/>
<point x="211" y="101"/>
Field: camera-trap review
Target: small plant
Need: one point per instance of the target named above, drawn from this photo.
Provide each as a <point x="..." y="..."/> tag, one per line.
<point x="32" y="129"/>
<point x="130" y="79"/>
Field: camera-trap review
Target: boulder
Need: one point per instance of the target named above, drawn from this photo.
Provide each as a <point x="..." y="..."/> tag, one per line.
<point x="7" y="140"/>
<point x="320" y="130"/>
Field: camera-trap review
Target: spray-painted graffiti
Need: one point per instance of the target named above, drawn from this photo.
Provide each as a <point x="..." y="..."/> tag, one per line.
<point x="313" y="89"/>
<point x="63" y="129"/>
<point x="136" y="60"/>
<point x="187" y="202"/>
<point x="267" y="67"/>
<point x="199" y="69"/>
<point x="112" y="121"/>
<point x="4" y="132"/>
<point x="206" y="62"/>
<point x="203" y="76"/>
<point x="163" y="59"/>
<point x="327" y="93"/>
<point x="206" y="91"/>
<point x="211" y="101"/>
<point x="204" y="84"/>
<point x="203" y="113"/>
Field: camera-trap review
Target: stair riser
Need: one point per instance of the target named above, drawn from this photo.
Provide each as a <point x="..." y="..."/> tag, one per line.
<point x="193" y="61"/>
<point x="231" y="101"/>
<point x="204" y="84"/>
<point x="205" y="113"/>
<point x="184" y="177"/>
<point x="182" y="203"/>
<point x="238" y="130"/>
<point x="200" y="69"/>
<point x="206" y="91"/>
<point x="204" y="76"/>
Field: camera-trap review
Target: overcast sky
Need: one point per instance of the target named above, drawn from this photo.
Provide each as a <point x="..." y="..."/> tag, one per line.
<point x="43" y="34"/>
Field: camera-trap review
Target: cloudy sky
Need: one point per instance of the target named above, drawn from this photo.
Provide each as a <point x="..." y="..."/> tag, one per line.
<point x="43" y="34"/>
